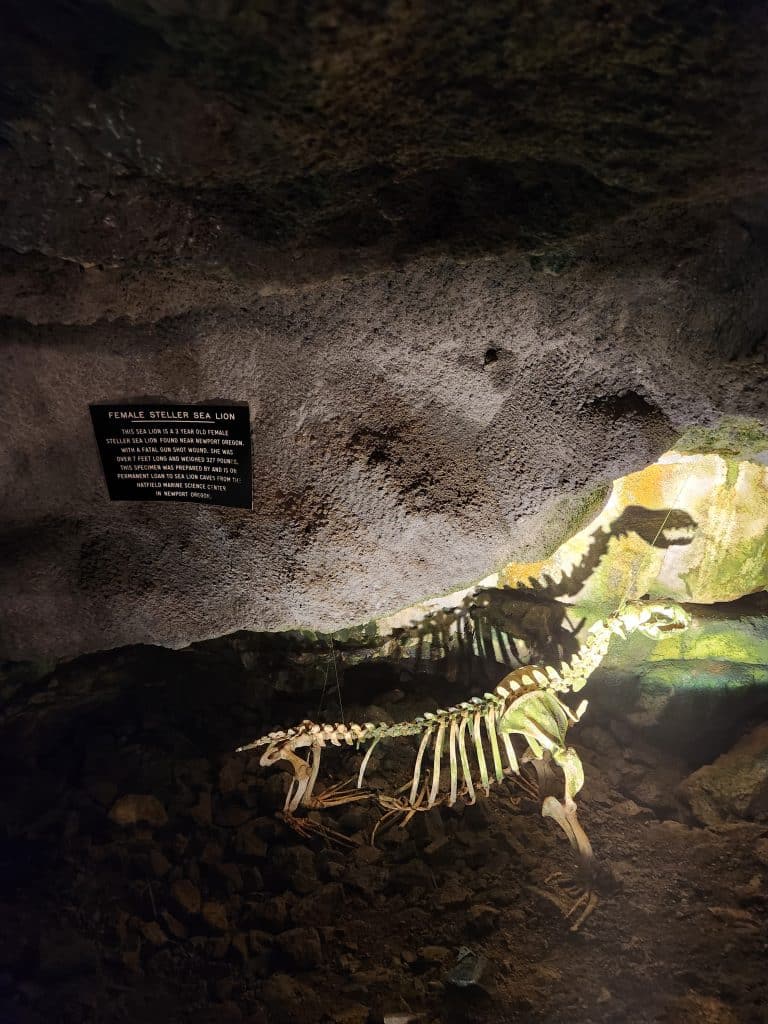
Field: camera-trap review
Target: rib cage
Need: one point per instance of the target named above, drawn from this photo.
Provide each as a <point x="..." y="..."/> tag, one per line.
<point x="525" y="702"/>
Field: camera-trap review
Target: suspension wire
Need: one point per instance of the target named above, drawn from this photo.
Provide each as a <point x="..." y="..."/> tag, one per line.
<point x="325" y="685"/>
<point x="331" y="658"/>
<point x="338" y="684"/>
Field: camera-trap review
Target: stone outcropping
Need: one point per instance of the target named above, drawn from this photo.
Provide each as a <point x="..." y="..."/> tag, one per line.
<point x="735" y="786"/>
<point x="465" y="270"/>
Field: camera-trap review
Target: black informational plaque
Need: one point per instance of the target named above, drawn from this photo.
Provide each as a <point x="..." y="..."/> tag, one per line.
<point x="158" y="452"/>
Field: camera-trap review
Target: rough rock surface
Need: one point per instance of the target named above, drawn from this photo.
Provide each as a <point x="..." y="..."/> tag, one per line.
<point x="322" y="933"/>
<point x="135" y="808"/>
<point x="735" y="786"/>
<point x="464" y="269"/>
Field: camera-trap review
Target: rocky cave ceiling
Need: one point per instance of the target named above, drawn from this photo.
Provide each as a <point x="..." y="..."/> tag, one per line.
<point x="466" y="263"/>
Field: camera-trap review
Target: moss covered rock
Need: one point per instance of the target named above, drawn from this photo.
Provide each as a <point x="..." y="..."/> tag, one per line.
<point x="693" y="526"/>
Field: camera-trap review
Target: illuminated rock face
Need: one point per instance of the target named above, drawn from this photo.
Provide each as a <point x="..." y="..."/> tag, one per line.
<point x="465" y="270"/>
<point x="690" y="527"/>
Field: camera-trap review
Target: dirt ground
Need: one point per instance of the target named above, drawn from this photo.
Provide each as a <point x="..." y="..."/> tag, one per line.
<point x="210" y="909"/>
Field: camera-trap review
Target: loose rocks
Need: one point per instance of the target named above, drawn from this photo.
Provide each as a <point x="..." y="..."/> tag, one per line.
<point x="301" y="947"/>
<point x="735" y="786"/>
<point x="185" y="897"/>
<point x="136" y="809"/>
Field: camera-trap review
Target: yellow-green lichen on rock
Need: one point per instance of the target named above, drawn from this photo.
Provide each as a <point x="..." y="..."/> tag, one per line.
<point x="693" y="527"/>
<point x="734" y="437"/>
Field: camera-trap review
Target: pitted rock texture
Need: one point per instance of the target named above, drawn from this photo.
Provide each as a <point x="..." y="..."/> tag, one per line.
<point x="465" y="268"/>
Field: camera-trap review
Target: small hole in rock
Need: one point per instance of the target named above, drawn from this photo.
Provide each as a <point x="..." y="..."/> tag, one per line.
<point x="626" y="403"/>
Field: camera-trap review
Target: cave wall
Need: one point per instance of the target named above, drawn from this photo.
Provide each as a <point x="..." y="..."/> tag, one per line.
<point x="465" y="268"/>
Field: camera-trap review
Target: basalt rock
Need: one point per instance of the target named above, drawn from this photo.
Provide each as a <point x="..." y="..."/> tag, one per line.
<point x="735" y="786"/>
<point x="139" y="808"/>
<point x="465" y="269"/>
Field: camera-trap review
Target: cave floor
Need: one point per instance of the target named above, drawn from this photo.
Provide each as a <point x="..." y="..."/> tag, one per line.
<point x="213" y="910"/>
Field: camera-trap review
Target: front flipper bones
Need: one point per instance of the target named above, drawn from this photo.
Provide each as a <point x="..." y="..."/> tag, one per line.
<point x="543" y="720"/>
